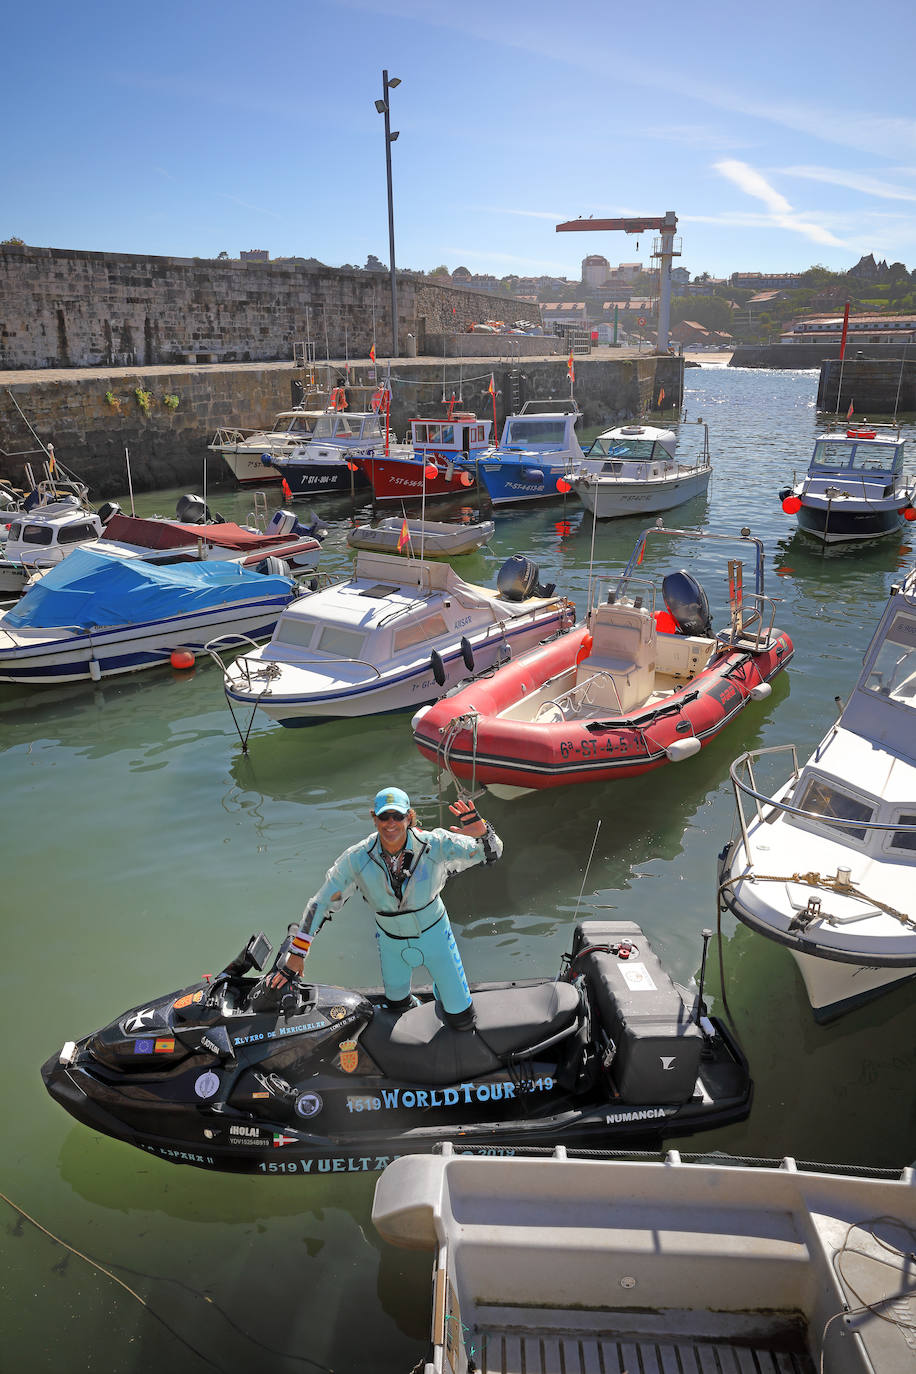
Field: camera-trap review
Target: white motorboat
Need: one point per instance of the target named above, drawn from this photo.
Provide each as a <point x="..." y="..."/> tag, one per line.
<point x="95" y="614"/>
<point x="398" y="633"/>
<point x="588" y="1264"/>
<point x="422" y="538"/>
<point x="632" y="470"/>
<point x="325" y="463"/>
<point x="855" y="488"/>
<point x="244" y="451"/>
<point x="826" y="865"/>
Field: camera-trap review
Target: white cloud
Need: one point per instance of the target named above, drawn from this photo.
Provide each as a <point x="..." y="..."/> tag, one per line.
<point x="852" y="181"/>
<point x="781" y="214"/>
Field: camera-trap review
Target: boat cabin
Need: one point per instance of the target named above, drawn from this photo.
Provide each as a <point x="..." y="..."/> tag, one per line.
<point x="859" y="453"/>
<point x="298" y="425"/>
<point x="460" y="436"/>
<point x="337" y="427"/>
<point x="627" y="443"/>
<point x="540" y="432"/>
<point x="45" y="535"/>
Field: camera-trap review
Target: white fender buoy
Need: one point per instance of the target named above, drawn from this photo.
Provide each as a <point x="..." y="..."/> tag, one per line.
<point x="760" y="692"/>
<point x="95" y="672"/>
<point x="415" y="719"/>
<point x="681" y="749"/>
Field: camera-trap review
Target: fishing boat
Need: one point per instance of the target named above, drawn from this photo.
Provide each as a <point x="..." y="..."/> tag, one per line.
<point x="537" y="450"/>
<point x="632" y="470"/>
<point x="244" y="451"/>
<point x="855" y="488"/>
<point x="399" y="632"/>
<point x="558" y="1262"/>
<point x="95" y="614"/>
<point x="826" y="865"/>
<point x="230" y="1074"/>
<point x="327" y="462"/>
<point x="633" y="689"/>
<point x="422" y="538"/>
<point x="438" y="461"/>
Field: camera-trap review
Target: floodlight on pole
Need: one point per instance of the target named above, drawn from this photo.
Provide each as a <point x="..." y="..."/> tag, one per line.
<point x="382" y="106"/>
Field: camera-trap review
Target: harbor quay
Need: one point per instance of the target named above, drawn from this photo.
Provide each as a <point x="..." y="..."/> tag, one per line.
<point x="164" y="416"/>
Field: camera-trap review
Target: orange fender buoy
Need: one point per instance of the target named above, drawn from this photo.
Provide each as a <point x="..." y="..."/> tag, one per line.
<point x="181" y="658"/>
<point x="584" y="649"/>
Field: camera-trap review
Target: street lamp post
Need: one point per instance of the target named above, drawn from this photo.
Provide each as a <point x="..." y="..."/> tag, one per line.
<point x="383" y="108"/>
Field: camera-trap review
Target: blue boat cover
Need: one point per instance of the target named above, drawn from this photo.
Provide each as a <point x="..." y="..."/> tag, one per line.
<point x="88" y="589"/>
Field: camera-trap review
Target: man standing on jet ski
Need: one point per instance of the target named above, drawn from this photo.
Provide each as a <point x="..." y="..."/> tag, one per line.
<point x="400" y="871"/>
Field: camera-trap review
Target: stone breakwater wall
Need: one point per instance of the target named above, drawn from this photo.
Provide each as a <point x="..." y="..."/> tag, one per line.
<point x="62" y="308"/>
<point x="91" y="415"/>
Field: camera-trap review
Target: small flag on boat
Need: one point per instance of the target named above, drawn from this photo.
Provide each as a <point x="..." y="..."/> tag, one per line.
<point x="287" y="490"/>
<point x="491" y="389"/>
<point x="403" y="537"/>
<point x="849" y="411"/>
<point x="661" y="397"/>
<point x="570" y="370"/>
<point x="51" y="459"/>
<point x="372" y="353"/>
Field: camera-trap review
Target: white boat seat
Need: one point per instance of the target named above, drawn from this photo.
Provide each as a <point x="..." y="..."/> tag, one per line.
<point x="619" y="673"/>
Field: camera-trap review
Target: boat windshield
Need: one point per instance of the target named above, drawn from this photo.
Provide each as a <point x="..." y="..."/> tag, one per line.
<point x="847" y="454"/>
<point x="827" y="800"/>
<point x="434" y="434"/>
<point x="893" y="670"/>
<point x="622" y="448"/>
<point x="544" y="430"/>
<point x="336" y="426"/>
<point x="300" y="424"/>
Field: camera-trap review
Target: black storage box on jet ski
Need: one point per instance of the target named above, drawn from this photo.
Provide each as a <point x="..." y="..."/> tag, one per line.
<point x="227" y="1075"/>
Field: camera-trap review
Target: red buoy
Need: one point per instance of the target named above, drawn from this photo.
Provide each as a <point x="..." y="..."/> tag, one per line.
<point x="792" y="505"/>
<point x="909" y="513"/>
<point x="181" y="658"/>
<point x="430" y="472"/>
<point x="465" y="479"/>
<point x="563" y="486"/>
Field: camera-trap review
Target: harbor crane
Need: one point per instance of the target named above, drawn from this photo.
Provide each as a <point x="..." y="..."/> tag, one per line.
<point x="663" y="248"/>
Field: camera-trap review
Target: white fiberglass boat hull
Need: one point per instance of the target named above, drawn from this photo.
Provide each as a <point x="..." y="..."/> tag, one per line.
<point x="610" y="497"/>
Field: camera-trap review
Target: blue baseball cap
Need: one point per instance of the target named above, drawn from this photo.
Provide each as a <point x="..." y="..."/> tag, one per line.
<point x="391" y="799"/>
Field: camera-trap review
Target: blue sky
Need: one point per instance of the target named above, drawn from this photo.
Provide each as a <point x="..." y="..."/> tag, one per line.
<point x="782" y="135"/>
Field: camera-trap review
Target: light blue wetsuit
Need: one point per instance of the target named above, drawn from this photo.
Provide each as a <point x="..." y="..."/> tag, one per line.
<point x="412" y="929"/>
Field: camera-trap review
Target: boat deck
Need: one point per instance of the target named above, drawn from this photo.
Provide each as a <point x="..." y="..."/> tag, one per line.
<point x="507" y="1349"/>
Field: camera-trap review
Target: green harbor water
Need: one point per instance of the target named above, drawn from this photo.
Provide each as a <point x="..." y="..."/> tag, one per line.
<point x="143" y="847"/>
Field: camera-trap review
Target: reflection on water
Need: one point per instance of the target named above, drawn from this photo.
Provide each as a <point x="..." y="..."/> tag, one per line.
<point x="144" y="847"/>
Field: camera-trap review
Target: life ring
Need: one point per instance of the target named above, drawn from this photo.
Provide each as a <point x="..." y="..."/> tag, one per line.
<point x="861" y="434"/>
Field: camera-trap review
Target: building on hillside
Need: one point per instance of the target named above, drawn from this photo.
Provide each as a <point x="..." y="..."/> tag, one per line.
<point x="680" y="276"/>
<point x="705" y="288"/>
<point x="766" y="281"/>
<point x="564" y="312"/>
<point x="862" y="329"/>
<point x="690" y="333"/>
<point x="595" y="270"/>
<point x="461" y="275"/>
<point x="255" y="255"/>
<point x="765" y="298"/>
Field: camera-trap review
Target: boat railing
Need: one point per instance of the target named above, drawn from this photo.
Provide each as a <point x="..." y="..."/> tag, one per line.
<point x="766" y="808"/>
<point x="751" y="628"/>
<point x="577" y="698"/>
<point x="223" y="437"/>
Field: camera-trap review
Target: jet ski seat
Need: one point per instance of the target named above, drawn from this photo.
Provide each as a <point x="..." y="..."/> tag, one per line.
<point x="417" y="1045"/>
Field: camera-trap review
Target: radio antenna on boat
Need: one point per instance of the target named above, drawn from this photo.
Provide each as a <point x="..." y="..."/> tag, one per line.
<point x="587" y="867"/>
<point x="130" y="485"/>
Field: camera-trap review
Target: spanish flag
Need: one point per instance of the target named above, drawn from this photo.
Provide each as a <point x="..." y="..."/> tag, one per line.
<point x="570" y="370"/>
<point x="372" y="353"/>
<point x="403" y="537"/>
<point x="661" y="397"/>
<point x="491" y="389"/>
<point x="849" y="411"/>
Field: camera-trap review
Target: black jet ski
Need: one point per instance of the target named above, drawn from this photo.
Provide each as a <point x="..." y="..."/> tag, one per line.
<point x="229" y="1074"/>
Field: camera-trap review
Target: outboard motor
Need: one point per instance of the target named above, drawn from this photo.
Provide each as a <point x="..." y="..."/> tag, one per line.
<point x="687" y="603"/>
<point x="283" y="522"/>
<point x="272" y="566"/>
<point x="192" y="510"/>
<point x="108" y="509"/>
<point x="518" y="579"/>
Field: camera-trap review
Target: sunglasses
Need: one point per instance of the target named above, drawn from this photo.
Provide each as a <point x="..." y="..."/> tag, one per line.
<point x="390" y="816"/>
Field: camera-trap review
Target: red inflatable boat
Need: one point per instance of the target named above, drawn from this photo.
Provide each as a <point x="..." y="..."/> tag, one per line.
<point x="630" y="690"/>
